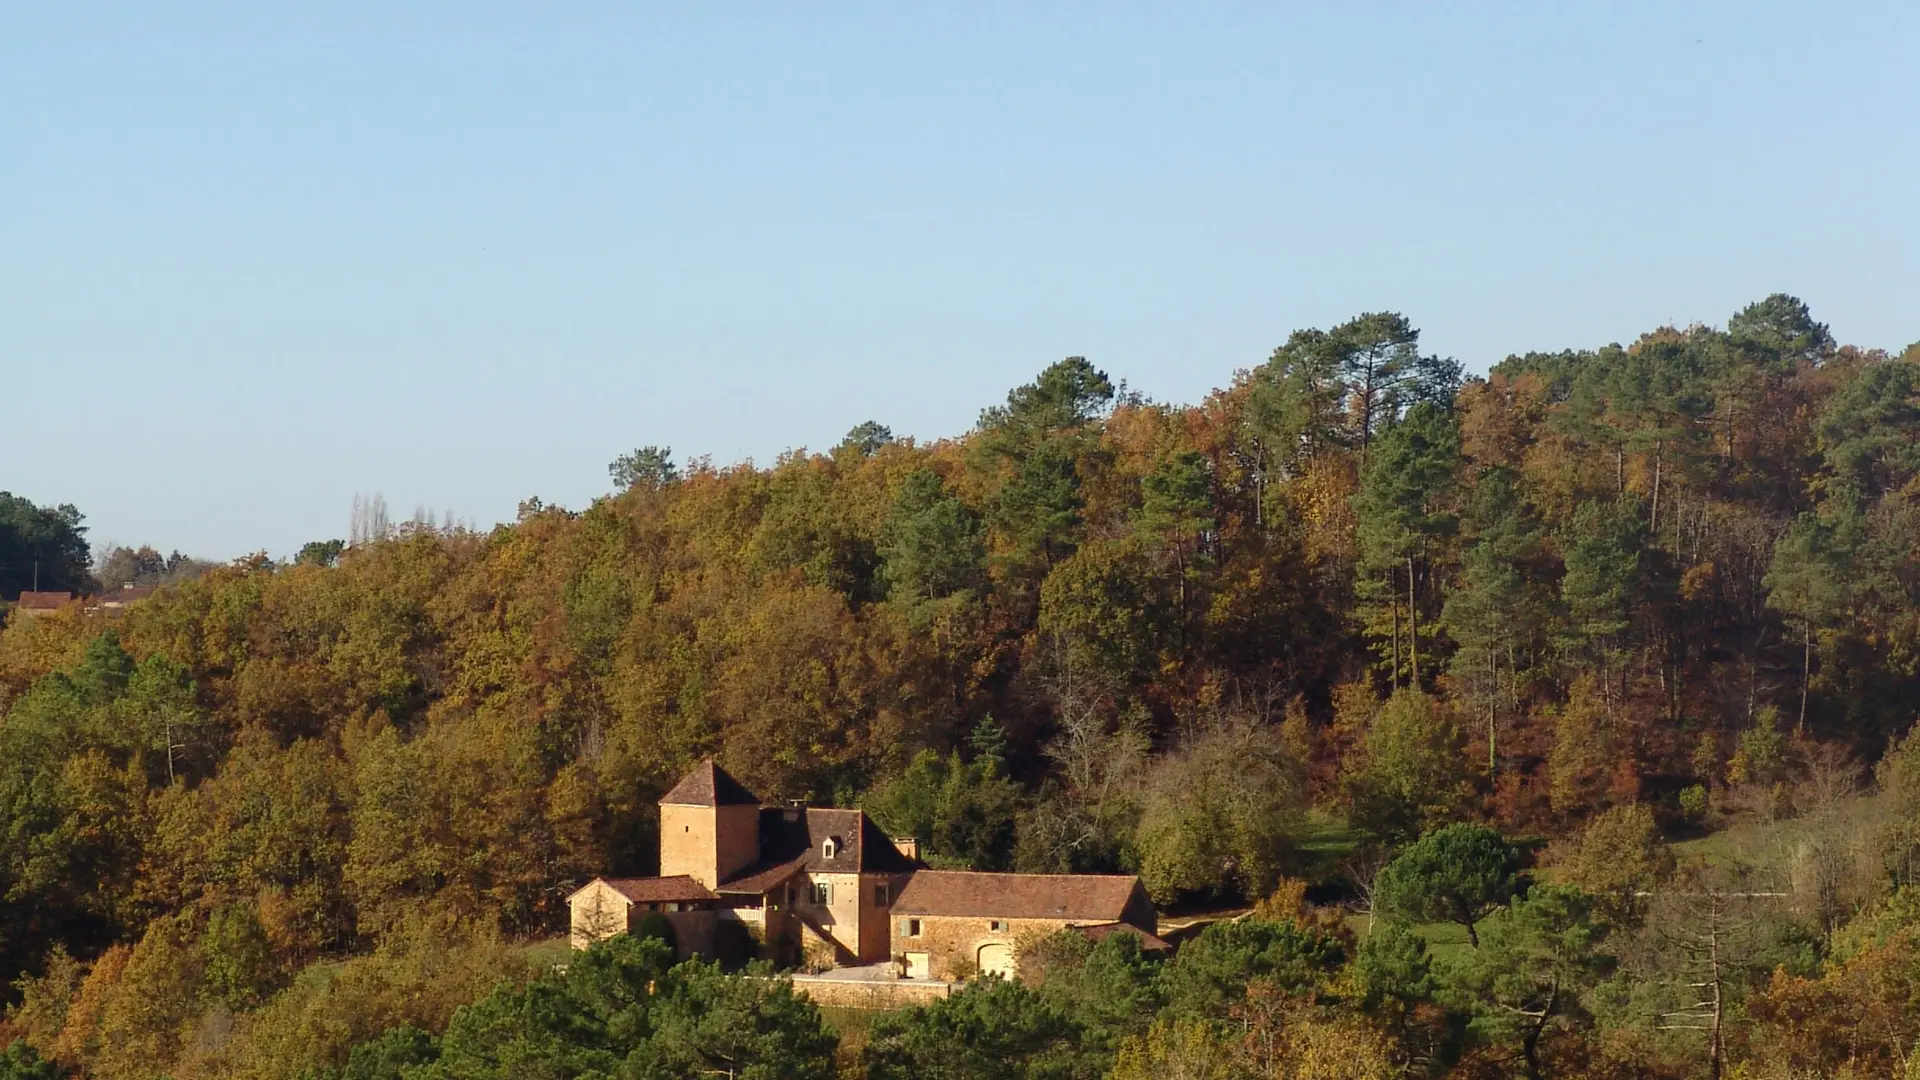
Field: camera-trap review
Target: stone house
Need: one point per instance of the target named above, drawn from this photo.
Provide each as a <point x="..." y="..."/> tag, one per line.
<point x="948" y="923"/>
<point x="827" y="886"/>
<point x="32" y="604"/>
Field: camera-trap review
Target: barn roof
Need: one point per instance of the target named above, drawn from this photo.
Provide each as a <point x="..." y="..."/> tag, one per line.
<point x="44" y="600"/>
<point x="1093" y="898"/>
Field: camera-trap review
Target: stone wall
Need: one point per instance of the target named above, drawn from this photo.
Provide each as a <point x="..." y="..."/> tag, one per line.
<point x="708" y="843"/>
<point x="835" y="925"/>
<point x="953" y="942"/>
<point x="595" y="913"/>
<point x="855" y="994"/>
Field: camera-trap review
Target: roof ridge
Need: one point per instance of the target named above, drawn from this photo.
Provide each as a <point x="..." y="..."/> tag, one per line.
<point x="707" y="784"/>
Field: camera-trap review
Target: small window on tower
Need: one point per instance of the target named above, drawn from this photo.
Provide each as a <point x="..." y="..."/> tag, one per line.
<point x="880" y="897"/>
<point x="822" y="893"/>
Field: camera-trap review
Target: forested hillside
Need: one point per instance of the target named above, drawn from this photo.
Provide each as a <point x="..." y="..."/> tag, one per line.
<point x="1597" y="600"/>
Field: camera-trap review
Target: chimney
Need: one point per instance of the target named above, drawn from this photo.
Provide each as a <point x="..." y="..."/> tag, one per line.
<point x="908" y="846"/>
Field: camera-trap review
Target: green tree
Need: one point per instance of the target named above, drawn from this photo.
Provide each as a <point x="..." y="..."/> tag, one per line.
<point x="709" y="1023"/>
<point x="649" y="468"/>
<point x="1869" y="432"/>
<point x="1602" y="548"/>
<point x="160" y="703"/>
<point x="19" y="1062"/>
<point x="963" y="813"/>
<point x="41" y="548"/>
<point x="393" y="1055"/>
<point x="236" y="957"/>
<point x="1457" y="873"/>
<point x="867" y="437"/>
<point x="1106" y="988"/>
<point x="1220" y="814"/>
<point x="320" y="553"/>
<point x="1657" y="396"/>
<point x="1379" y="358"/>
<point x="623" y="1008"/>
<point x="1539" y="959"/>
<point x="1293" y="408"/>
<point x="1401" y="513"/>
<point x="1784" y="328"/>
<point x="1041" y="435"/>
<point x="1176" y="515"/>
<point x="1039" y="507"/>
<point x="1210" y="974"/>
<point x="930" y="546"/>
<point x="1065" y="397"/>
<point x="991" y="1030"/>
<point x="1814" y="570"/>
<point x="1497" y="613"/>
<point x="1410" y="777"/>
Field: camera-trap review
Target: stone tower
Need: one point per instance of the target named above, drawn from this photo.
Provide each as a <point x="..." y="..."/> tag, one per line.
<point x="709" y="826"/>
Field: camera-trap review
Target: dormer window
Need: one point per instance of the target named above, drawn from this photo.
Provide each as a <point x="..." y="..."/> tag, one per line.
<point x="829" y="848"/>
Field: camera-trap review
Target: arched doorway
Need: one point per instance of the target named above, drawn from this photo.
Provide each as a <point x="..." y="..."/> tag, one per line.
<point x="996" y="959"/>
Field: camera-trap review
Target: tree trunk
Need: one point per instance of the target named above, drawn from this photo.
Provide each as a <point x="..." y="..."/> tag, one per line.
<point x="1493" y="708"/>
<point x="1719" y="1006"/>
<point x="1393" y="593"/>
<point x="1530" y="1047"/>
<point x="1806" y="669"/>
<point x="1413" y="629"/>
<point x="1653" y="522"/>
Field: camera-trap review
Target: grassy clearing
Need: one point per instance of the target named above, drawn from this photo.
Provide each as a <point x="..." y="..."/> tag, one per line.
<point x="1446" y="941"/>
<point x="548" y="951"/>
<point x="1770" y="845"/>
<point x="1325" y="842"/>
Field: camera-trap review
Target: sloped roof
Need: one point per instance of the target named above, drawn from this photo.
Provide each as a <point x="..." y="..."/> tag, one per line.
<point x="1093" y="898"/>
<point x="1148" y="942"/>
<point x="44" y="600"/>
<point x="792" y="840"/>
<point x="656" y="890"/>
<point x="709" y="785"/>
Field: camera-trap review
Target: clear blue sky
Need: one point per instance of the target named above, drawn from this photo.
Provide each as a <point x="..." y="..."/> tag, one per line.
<point x="254" y="261"/>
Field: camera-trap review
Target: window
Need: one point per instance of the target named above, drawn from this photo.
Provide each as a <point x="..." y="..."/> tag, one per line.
<point x="829" y="848"/>
<point x="913" y="927"/>
<point x="822" y="893"/>
<point x="996" y="925"/>
<point x="880" y="897"/>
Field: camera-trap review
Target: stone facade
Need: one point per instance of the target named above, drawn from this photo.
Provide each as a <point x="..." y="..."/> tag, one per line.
<point x="949" y="947"/>
<point x="708" y="843"/>
<point x="601" y="909"/>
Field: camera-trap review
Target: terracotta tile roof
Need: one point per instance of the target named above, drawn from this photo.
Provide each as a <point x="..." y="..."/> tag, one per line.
<point x="795" y="839"/>
<point x="44" y="601"/>
<point x="655" y="890"/>
<point x="762" y="876"/>
<point x="1148" y="942"/>
<point x="709" y="785"/>
<point x="1093" y="898"/>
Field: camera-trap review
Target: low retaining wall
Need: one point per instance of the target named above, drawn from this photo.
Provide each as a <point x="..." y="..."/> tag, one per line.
<point x="859" y="994"/>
